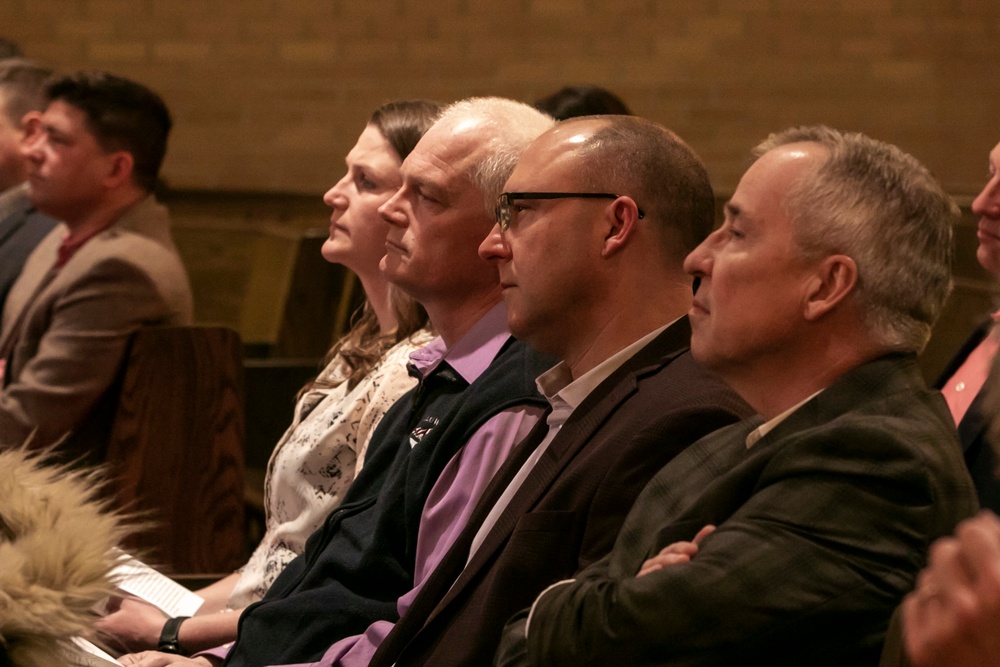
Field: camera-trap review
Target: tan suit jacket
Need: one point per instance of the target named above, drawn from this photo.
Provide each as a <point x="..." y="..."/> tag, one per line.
<point x="74" y="332"/>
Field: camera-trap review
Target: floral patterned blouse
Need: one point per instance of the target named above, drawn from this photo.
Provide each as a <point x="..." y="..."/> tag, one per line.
<point x="317" y="458"/>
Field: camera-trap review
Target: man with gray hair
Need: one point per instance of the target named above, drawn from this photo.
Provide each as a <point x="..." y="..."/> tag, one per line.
<point x="22" y="226"/>
<point x="443" y="441"/>
<point x="788" y="539"/>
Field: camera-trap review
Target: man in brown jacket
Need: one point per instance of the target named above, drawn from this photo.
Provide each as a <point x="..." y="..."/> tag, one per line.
<point x="92" y="282"/>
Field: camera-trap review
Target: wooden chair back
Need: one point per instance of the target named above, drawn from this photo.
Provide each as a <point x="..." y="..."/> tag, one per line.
<point x="176" y="448"/>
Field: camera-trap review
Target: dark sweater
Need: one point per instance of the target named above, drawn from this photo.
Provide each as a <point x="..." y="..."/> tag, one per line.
<point x="361" y="560"/>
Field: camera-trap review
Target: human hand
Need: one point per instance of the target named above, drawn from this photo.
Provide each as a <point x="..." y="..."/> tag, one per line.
<point x="157" y="659"/>
<point x="678" y="552"/>
<point x="953" y="616"/>
<point x="131" y="625"/>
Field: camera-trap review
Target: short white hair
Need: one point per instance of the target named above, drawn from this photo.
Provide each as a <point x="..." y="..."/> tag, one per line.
<point x="510" y="127"/>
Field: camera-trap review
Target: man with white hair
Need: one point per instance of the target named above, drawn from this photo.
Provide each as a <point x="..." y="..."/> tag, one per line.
<point x="475" y="400"/>
<point x="788" y="539"/>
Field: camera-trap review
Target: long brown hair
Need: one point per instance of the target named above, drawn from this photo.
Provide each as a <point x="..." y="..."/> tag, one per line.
<point x="402" y="123"/>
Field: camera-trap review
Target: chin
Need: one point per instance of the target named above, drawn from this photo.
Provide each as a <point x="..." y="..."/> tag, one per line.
<point x="989" y="259"/>
<point x="333" y="252"/>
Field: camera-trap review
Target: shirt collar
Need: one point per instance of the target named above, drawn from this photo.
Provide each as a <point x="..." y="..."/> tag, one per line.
<point x="472" y="354"/>
<point x="755" y="435"/>
<point x="558" y="385"/>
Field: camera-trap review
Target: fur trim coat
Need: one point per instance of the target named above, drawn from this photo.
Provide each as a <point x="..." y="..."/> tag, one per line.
<point x="55" y="554"/>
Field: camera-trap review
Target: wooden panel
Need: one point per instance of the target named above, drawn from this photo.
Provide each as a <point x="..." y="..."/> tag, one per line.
<point x="321" y="298"/>
<point x="176" y="450"/>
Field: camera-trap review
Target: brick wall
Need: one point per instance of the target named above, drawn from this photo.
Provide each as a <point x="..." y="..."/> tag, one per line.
<point x="269" y="94"/>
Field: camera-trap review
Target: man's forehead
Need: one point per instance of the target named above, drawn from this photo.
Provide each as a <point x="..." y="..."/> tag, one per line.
<point x="554" y="154"/>
<point x="443" y="154"/>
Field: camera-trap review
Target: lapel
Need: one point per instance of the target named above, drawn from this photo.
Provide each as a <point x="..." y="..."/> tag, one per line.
<point x="974" y="421"/>
<point x="973" y="424"/>
<point x="574" y="435"/>
<point x="14" y="207"/>
<point x="147" y="218"/>
<point x="24" y="293"/>
<point x="970" y="344"/>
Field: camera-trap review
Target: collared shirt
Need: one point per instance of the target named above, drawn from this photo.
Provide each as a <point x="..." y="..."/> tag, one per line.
<point x="72" y="243"/>
<point x="456" y="492"/>
<point x="461" y="482"/>
<point x="755" y="435"/>
<point x="564" y="395"/>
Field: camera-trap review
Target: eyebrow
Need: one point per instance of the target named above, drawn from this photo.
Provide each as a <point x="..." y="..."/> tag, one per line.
<point x="432" y="189"/>
<point x="733" y="210"/>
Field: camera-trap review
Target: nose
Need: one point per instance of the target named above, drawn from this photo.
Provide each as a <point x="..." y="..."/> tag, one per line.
<point x="987" y="204"/>
<point x="494" y="247"/>
<point x="335" y="197"/>
<point x="698" y="263"/>
<point x="392" y="210"/>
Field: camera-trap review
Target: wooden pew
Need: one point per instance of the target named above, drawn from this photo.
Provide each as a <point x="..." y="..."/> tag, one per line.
<point x="176" y="448"/>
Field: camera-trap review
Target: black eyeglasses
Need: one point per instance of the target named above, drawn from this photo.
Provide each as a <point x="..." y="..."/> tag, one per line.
<point x="505" y="214"/>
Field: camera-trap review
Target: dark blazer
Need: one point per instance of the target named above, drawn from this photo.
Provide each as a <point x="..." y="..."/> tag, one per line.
<point x="973" y="431"/>
<point x="822" y="527"/>
<point x="570" y="507"/>
<point x="22" y="227"/>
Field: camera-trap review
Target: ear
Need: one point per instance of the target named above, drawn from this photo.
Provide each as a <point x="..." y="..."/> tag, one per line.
<point x="623" y="216"/>
<point x="120" y="168"/>
<point x="834" y="279"/>
<point x="30" y="124"/>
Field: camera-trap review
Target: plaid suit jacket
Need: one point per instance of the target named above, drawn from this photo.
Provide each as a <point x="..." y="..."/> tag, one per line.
<point x="822" y="527"/>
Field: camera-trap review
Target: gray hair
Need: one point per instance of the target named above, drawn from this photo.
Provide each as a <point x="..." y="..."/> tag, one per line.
<point x="873" y="202"/>
<point x="511" y="126"/>
<point x="22" y="84"/>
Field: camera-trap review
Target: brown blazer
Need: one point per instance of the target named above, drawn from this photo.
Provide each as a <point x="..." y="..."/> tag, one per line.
<point x="75" y="328"/>
<point x="569" y="509"/>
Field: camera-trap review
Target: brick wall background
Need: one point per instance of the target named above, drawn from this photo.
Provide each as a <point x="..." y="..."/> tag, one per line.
<point x="270" y="94"/>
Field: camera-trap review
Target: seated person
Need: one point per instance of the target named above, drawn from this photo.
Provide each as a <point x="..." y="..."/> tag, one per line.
<point x="953" y="617"/>
<point x="474" y="401"/>
<point x="811" y="301"/>
<point x="318" y="457"/>
<point x="963" y="381"/>
<point x="21" y="225"/>
<point x="576" y="101"/>
<point x="93" y="281"/>
<point x="598" y="282"/>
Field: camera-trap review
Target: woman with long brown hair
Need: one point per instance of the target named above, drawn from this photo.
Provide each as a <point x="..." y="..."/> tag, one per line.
<point x="365" y="372"/>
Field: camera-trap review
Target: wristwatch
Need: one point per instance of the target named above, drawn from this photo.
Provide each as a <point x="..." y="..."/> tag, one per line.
<point x="168" y="636"/>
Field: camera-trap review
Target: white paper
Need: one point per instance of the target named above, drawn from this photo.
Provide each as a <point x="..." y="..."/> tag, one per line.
<point x="134" y="577"/>
<point x="85" y="654"/>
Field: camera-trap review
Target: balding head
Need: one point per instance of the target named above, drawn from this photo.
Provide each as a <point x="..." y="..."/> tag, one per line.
<point x="655" y="167"/>
<point x="596" y="220"/>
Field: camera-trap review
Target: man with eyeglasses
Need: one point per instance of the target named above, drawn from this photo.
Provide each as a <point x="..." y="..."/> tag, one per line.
<point x="437" y="448"/>
<point x="589" y="242"/>
<point x="789" y="538"/>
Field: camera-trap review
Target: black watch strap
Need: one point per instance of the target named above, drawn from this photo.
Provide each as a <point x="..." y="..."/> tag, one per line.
<point x="168" y="636"/>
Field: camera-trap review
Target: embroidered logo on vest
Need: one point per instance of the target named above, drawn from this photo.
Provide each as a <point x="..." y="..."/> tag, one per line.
<point x="425" y="426"/>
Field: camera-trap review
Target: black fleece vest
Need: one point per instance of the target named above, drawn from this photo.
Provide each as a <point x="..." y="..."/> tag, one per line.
<point x="361" y="560"/>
